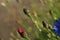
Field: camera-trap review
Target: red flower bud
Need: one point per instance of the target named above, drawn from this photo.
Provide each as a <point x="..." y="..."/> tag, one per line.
<point x="21" y="32"/>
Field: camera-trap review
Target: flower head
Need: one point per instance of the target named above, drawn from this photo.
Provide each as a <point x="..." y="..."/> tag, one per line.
<point x="56" y="27"/>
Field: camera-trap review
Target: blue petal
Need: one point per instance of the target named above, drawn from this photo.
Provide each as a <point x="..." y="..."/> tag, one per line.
<point x="57" y="23"/>
<point x="58" y="33"/>
<point x="58" y="20"/>
<point x="55" y="28"/>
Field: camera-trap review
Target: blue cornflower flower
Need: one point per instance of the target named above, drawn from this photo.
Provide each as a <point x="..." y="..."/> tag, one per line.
<point x="56" y="27"/>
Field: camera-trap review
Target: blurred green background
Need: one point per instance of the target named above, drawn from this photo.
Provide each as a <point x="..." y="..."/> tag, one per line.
<point x="12" y="11"/>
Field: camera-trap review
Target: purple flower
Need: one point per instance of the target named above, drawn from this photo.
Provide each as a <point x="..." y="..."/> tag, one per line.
<point x="56" y="27"/>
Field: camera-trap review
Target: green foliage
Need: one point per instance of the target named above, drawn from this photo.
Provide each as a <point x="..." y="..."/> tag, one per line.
<point x="31" y="21"/>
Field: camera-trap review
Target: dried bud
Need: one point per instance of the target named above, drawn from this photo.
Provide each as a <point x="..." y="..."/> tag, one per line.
<point x="49" y="26"/>
<point x="50" y="12"/>
<point x="44" y="23"/>
<point x="26" y="11"/>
